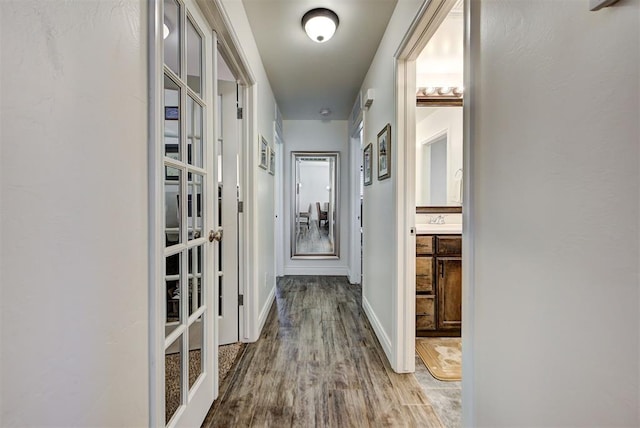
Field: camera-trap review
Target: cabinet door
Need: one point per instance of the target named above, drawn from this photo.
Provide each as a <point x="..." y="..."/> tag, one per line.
<point x="449" y="270"/>
<point x="425" y="313"/>
<point x="424" y="244"/>
<point x="449" y="245"/>
<point x="424" y="274"/>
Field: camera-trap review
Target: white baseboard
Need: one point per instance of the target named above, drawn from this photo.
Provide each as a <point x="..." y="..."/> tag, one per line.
<point x="383" y="338"/>
<point x="320" y="271"/>
<point x="264" y="313"/>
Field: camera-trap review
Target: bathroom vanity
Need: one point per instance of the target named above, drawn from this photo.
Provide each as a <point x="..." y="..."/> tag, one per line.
<point x="438" y="280"/>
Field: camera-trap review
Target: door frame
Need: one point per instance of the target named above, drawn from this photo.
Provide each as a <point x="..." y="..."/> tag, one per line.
<point x="229" y="210"/>
<point x="426" y="22"/>
<point x="355" y="153"/>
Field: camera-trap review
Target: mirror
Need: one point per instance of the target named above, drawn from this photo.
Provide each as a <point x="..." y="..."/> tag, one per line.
<point x="439" y="156"/>
<point x="314" y="220"/>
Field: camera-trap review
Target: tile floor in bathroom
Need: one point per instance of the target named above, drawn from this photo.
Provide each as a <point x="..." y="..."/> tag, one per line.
<point x="445" y="397"/>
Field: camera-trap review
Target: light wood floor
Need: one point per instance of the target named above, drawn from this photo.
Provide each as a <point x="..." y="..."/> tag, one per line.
<point x="313" y="239"/>
<point x="319" y="364"/>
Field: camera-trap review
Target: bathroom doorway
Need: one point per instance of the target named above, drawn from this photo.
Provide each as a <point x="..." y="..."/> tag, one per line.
<point x="430" y="87"/>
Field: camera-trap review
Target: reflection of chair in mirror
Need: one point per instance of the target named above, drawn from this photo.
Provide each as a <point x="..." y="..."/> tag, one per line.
<point x="322" y="215"/>
<point x="303" y="217"/>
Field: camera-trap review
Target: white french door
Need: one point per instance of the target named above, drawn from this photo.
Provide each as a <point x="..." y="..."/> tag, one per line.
<point x="184" y="379"/>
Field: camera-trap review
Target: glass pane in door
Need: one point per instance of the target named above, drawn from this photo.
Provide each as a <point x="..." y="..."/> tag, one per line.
<point x="171" y="34"/>
<point x="172" y="186"/>
<point x="195" y="197"/>
<point x="194" y="58"/>
<point x="172" y="378"/>
<point x="196" y="337"/>
<point x="195" y="140"/>
<point x="172" y="293"/>
<point x="195" y="278"/>
<point x="171" y="119"/>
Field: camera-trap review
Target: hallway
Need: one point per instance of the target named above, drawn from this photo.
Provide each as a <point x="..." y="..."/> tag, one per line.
<point x="318" y="363"/>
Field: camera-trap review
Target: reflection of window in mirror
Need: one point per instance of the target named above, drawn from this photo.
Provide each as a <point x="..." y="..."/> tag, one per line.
<point x="438" y="156"/>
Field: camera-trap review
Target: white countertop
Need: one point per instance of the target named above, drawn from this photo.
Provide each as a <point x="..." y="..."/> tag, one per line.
<point x="439" y="229"/>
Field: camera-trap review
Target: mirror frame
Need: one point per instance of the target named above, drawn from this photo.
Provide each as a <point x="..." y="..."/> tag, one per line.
<point x="294" y="196"/>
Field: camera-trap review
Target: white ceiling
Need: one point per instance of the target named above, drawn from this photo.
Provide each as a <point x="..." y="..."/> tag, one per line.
<point x="306" y="76"/>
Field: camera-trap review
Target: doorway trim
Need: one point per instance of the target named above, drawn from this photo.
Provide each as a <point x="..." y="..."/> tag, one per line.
<point x="229" y="47"/>
<point x="423" y="27"/>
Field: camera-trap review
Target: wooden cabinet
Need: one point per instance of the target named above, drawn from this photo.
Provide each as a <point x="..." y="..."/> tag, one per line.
<point x="438" y="285"/>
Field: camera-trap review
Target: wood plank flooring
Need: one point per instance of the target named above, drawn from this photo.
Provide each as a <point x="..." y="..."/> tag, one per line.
<point x="318" y="363"/>
<point x="313" y="239"/>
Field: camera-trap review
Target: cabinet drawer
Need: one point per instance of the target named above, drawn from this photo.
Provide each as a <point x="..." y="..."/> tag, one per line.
<point x="425" y="313"/>
<point x="424" y="244"/>
<point x="449" y="245"/>
<point x="424" y="274"/>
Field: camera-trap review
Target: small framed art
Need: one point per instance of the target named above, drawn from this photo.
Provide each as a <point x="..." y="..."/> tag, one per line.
<point x="367" y="163"/>
<point x="272" y="161"/>
<point x="384" y="152"/>
<point x="264" y="153"/>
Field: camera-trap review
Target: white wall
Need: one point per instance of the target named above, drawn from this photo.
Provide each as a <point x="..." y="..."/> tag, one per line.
<point x="553" y="334"/>
<point x="73" y="175"/>
<point x="442" y="119"/>
<point x="323" y="136"/>
<point x="260" y="208"/>
<point x="314" y="179"/>
<point x="379" y="214"/>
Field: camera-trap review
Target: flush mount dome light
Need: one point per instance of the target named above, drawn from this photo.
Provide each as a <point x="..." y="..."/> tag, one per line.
<point x="324" y="112"/>
<point x="320" y="24"/>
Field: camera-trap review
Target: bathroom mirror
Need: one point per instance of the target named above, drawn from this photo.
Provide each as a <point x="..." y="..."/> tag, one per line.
<point x="314" y="218"/>
<point x="438" y="156"/>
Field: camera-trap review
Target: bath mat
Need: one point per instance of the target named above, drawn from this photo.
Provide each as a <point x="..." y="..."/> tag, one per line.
<point x="442" y="356"/>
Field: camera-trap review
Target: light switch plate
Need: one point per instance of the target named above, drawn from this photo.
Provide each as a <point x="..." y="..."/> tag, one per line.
<point x="599" y="4"/>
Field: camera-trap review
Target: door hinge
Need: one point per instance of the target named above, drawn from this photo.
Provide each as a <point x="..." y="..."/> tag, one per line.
<point x="240" y="299"/>
<point x="239" y="112"/>
<point x="240" y="206"/>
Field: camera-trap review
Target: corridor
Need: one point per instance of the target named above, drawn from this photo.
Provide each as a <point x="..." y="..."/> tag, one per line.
<point x="318" y="363"/>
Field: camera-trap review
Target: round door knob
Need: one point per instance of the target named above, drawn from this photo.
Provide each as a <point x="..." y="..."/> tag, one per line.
<point x="215" y="236"/>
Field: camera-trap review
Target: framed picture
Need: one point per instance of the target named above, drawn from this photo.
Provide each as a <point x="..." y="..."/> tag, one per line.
<point x="264" y="153"/>
<point x="384" y="152"/>
<point x="272" y="161"/>
<point x="367" y="163"/>
<point x="171" y="113"/>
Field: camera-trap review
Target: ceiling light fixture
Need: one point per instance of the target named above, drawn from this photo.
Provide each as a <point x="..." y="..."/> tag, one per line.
<point x="320" y="24"/>
<point x="324" y="112"/>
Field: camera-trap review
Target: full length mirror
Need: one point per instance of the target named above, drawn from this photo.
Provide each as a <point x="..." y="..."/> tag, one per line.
<point x="314" y="225"/>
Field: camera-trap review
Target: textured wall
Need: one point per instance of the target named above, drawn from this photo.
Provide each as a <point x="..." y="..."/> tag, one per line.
<point x="554" y="332"/>
<point x="73" y="178"/>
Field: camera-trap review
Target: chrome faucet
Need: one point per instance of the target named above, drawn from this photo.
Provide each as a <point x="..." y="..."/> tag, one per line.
<point x="436" y="220"/>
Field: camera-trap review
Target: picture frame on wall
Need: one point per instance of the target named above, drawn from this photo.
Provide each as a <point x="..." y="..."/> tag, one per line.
<point x="264" y="153"/>
<point x="272" y="161"/>
<point x="384" y="152"/>
<point x="367" y="164"/>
